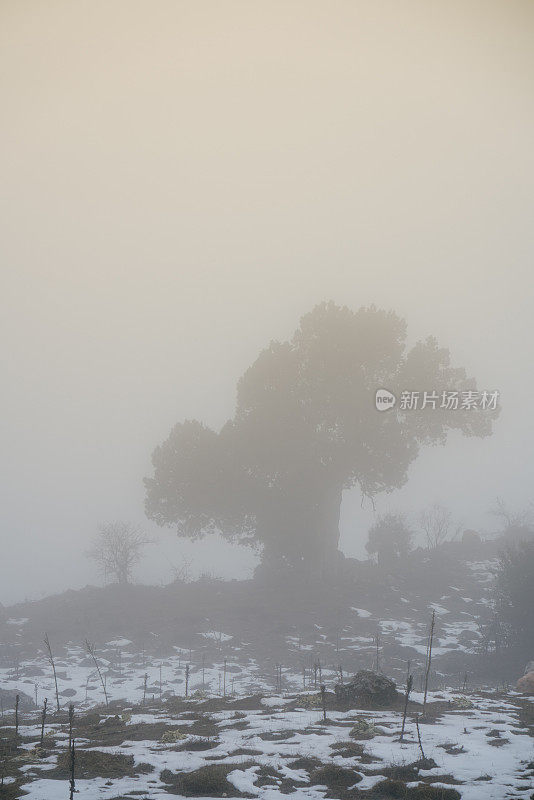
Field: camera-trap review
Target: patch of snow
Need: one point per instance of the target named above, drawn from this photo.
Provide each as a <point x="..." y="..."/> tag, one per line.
<point x="361" y="612"/>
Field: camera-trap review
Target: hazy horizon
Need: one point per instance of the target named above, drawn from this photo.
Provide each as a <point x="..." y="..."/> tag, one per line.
<point x="183" y="181"/>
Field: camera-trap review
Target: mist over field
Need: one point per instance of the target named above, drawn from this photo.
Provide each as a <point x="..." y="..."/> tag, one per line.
<point x="181" y="185"/>
<point x="225" y="226"/>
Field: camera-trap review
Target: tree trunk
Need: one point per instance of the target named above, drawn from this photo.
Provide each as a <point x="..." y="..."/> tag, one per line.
<point x="303" y="536"/>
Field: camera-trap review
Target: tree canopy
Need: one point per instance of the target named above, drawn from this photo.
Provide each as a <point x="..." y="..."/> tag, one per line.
<point x="305" y="429"/>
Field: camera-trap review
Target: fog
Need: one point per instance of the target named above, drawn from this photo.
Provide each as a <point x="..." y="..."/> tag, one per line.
<point x="182" y="181"/>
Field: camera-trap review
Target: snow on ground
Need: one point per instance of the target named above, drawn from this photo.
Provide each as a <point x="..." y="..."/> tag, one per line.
<point x="119" y="642"/>
<point x="484" y="570"/>
<point x="218" y="636"/>
<point x="462" y="742"/>
<point x="484" y="746"/>
<point x="439" y="609"/>
<point x="124" y="670"/>
<point x="362" y="612"/>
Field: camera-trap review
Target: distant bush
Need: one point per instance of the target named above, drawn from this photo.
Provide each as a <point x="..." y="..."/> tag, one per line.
<point x="390" y="538"/>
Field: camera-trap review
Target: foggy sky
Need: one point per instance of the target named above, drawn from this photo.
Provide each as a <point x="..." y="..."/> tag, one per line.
<point x="181" y="181"/>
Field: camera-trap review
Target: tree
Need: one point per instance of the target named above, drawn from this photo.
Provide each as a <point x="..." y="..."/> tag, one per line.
<point x="305" y="429"/>
<point x="514" y="595"/>
<point x="390" y="538"/>
<point x="517" y="526"/>
<point x="117" y="548"/>
<point x="436" y="523"/>
<point x="50" y="657"/>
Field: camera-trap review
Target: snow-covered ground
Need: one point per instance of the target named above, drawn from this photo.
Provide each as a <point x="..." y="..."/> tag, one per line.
<point x="481" y="751"/>
<point x="480" y="746"/>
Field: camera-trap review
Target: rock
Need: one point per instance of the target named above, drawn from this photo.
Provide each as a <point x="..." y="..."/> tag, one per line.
<point x="364" y="729"/>
<point x="462" y="702"/>
<point x="471" y="538"/>
<point x="170" y="737"/>
<point x="529" y="667"/>
<point x="526" y="683"/>
<point x="367" y="688"/>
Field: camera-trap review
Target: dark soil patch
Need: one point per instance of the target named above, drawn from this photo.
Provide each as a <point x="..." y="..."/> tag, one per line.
<point x="353" y="750"/>
<point x="207" y="781"/>
<point x="96" y="764"/>
<point x="309" y="763"/>
<point x="250" y="703"/>
<point x="267" y="776"/>
<point x="393" y="790"/>
<point x="236" y="726"/>
<point x="279" y="736"/>
<point x="452" y="749"/>
<point x="114" y="732"/>
<point x="526" y="713"/>
<point x="86" y="721"/>
<point x="334" y="777"/>
<point x="400" y="772"/>
<point x="430" y="779"/>
<point x="12" y="791"/>
<point x="204" y="726"/>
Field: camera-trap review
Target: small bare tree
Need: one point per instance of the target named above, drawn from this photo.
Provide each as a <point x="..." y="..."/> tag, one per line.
<point x="510" y="518"/>
<point x="182" y="573"/>
<point x="50" y="657"/>
<point x="436" y="523"/>
<point x="117" y="548"/>
<point x="429" y="658"/>
<point x="43" y="722"/>
<point x="91" y="650"/>
<point x="516" y="525"/>
<point x="17" y="702"/>
<point x="72" y="782"/>
<point x="409" y="685"/>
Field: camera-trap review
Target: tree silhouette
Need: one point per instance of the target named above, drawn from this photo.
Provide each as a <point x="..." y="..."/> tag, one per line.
<point x="514" y="595"/>
<point x="117" y="548"/>
<point x="436" y="523"/>
<point x="517" y="525"/>
<point x="305" y="429"/>
<point x="390" y="538"/>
